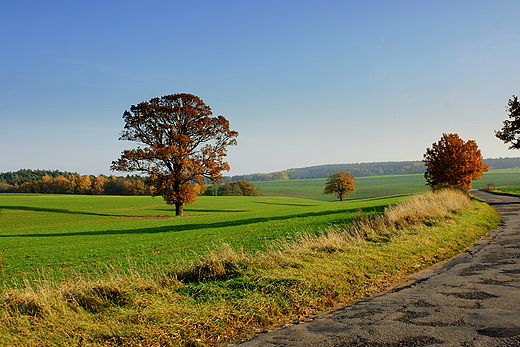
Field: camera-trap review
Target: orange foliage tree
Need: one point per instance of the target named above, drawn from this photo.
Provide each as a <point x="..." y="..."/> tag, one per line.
<point x="184" y="146"/>
<point x="341" y="184"/>
<point x="510" y="132"/>
<point x="453" y="162"/>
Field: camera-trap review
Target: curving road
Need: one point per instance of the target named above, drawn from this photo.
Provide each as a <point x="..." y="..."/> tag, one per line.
<point x="471" y="300"/>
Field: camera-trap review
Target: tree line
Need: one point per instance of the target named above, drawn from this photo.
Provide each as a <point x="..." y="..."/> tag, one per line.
<point x="362" y="170"/>
<point x="58" y="182"/>
<point x="186" y="147"/>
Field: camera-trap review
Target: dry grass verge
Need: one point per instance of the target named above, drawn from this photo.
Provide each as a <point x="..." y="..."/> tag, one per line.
<point x="230" y="294"/>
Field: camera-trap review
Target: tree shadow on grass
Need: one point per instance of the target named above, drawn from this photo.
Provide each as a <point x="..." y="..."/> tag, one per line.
<point x="53" y="210"/>
<point x="191" y="209"/>
<point x="200" y="226"/>
<point x="376" y="198"/>
<point x="65" y="211"/>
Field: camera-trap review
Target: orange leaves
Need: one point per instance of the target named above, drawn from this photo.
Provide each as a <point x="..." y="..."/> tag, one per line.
<point x="453" y="162"/>
<point x="176" y="130"/>
<point x="341" y="184"/>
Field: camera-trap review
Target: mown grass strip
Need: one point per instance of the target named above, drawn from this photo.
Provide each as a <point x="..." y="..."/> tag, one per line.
<point x="232" y="293"/>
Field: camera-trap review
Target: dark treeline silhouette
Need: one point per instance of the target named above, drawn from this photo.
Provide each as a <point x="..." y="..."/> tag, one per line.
<point x="59" y="182"/>
<point x="359" y="169"/>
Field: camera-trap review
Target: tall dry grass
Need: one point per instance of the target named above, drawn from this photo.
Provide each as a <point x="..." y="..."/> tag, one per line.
<point x="427" y="208"/>
<point x="183" y="307"/>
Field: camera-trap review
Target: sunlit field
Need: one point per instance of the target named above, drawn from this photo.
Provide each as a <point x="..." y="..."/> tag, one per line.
<point x="56" y="234"/>
<point x="48" y="235"/>
<point x="375" y="186"/>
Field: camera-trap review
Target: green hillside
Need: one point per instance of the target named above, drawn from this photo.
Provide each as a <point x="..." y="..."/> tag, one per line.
<point x="377" y="186"/>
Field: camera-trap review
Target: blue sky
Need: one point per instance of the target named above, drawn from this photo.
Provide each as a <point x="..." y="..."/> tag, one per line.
<point x="303" y="82"/>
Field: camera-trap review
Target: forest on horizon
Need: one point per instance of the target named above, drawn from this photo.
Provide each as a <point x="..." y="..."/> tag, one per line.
<point x="361" y="170"/>
<point x="30" y="181"/>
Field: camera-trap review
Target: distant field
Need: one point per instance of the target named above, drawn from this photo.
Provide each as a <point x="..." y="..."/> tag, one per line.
<point x="376" y="186"/>
<point x="73" y="233"/>
<point x="502" y="177"/>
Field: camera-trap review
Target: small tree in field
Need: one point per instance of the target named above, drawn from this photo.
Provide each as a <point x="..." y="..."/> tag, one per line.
<point x="341" y="184"/>
<point x="184" y="146"/>
<point x="453" y="162"/>
<point x="510" y="132"/>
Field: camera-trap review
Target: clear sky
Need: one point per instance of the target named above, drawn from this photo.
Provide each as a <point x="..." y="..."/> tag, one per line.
<point x="303" y="82"/>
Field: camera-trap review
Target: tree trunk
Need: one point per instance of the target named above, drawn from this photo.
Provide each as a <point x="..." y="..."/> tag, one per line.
<point x="179" y="209"/>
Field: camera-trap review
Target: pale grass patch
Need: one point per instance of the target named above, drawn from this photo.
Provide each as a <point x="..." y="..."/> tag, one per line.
<point x="223" y="263"/>
<point x="427" y="207"/>
<point x="423" y="208"/>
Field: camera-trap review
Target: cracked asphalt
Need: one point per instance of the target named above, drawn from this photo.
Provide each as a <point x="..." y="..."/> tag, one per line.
<point x="471" y="300"/>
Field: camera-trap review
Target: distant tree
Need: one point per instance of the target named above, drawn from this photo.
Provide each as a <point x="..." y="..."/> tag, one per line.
<point x="238" y="188"/>
<point x="6" y="188"/>
<point x="510" y="132"/>
<point x="45" y="185"/>
<point x="280" y="176"/>
<point x="83" y="184"/>
<point x="98" y="186"/>
<point x="139" y="187"/>
<point x="341" y="184"/>
<point x="453" y="162"/>
<point x="114" y="186"/>
<point x="60" y="185"/>
<point x="72" y="184"/>
<point x="184" y="146"/>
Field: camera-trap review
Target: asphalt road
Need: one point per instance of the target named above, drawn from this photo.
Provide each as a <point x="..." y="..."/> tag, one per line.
<point x="470" y="300"/>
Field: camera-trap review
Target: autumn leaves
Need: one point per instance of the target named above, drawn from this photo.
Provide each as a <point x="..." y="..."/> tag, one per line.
<point x="185" y="146"/>
<point x="453" y="162"/>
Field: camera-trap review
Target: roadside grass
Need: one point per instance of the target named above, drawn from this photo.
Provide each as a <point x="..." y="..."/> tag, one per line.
<point x="52" y="236"/>
<point x="233" y="291"/>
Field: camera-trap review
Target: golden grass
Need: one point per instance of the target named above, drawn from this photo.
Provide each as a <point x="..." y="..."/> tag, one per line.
<point x="229" y="294"/>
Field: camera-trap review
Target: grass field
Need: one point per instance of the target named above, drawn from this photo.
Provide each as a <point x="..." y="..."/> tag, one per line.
<point x="376" y="186"/>
<point x="116" y="270"/>
<point x="59" y="234"/>
<point x="56" y="234"/>
<point x="229" y="293"/>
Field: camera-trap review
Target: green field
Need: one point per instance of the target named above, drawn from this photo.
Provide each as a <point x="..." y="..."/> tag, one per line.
<point x="376" y="186"/>
<point x="73" y="233"/>
<point x="58" y="234"/>
<point x="145" y="297"/>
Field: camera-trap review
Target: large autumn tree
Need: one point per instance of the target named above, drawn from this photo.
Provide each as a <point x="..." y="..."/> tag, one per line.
<point x="341" y="184"/>
<point x="183" y="146"/>
<point x="510" y="132"/>
<point x="453" y="162"/>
